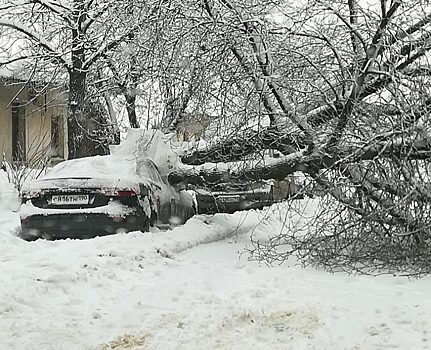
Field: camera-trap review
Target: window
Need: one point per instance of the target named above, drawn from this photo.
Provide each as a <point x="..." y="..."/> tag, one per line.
<point x="56" y="142"/>
<point x="173" y="209"/>
<point x="18" y="132"/>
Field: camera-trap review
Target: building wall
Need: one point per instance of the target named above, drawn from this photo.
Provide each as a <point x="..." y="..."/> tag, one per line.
<point x="5" y="131"/>
<point x="39" y="127"/>
<point x="6" y="96"/>
<point x="192" y="127"/>
<point x="38" y="115"/>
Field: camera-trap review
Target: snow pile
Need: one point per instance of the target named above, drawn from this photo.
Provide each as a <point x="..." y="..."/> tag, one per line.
<point x="9" y="205"/>
<point x="94" y="167"/>
<point x="190" y="289"/>
<point x="123" y="168"/>
<point x="77" y="286"/>
<point x="9" y="198"/>
<point x="161" y="148"/>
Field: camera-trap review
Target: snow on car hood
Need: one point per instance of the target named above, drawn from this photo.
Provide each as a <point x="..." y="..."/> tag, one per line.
<point x="97" y="167"/>
<point x="126" y="166"/>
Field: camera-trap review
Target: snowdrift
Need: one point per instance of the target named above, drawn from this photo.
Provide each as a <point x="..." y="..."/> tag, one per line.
<point x="162" y="149"/>
<point x="9" y="199"/>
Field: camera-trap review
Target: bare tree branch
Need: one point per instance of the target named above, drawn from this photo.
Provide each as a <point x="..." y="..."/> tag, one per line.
<point x="37" y="38"/>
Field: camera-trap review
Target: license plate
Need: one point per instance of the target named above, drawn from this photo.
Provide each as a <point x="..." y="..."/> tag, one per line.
<point x="228" y="199"/>
<point x="69" y="199"/>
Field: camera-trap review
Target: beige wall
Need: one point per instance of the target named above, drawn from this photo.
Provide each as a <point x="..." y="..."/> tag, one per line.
<point x="192" y="128"/>
<point x="5" y="130"/>
<point x="38" y="114"/>
<point x="6" y="95"/>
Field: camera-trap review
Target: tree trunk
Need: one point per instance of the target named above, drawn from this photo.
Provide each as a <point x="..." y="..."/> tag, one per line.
<point x="76" y="126"/>
<point x="131" y="109"/>
<point x="76" y="123"/>
<point x="86" y="131"/>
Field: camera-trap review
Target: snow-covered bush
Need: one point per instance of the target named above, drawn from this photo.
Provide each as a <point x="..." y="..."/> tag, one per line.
<point x="20" y="172"/>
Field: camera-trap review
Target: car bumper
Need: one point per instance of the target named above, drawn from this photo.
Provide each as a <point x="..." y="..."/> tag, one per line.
<point x="61" y="226"/>
<point x="215" y="206"/>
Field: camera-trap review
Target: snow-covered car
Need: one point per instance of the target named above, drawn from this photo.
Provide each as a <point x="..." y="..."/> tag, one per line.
<point x="100" y="195"/>
<point x="228" y="198"/>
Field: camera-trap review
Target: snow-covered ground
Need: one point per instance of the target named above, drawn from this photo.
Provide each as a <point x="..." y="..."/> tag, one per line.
<point x="189" y="288"/>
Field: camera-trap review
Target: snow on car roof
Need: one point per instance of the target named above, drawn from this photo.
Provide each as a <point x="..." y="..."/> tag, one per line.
<point x="98" y="171"/>
<point x="152" y="144"/>
<point x="141" y="158"/>
<point x="95" y="167"/>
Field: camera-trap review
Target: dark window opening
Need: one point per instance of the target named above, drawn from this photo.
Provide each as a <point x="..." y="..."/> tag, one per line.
<point x="55" y="137"/>
<point x="173" y="209"/>
<point x="18" y="132"/>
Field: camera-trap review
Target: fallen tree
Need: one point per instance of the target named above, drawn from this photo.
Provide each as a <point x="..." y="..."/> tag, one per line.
<point x="356" y="123"/>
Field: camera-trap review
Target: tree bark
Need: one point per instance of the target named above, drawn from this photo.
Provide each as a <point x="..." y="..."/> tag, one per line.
<point x="75" y="122"/>
<point x="131" y="109"/>
<point x="279" y="168"/>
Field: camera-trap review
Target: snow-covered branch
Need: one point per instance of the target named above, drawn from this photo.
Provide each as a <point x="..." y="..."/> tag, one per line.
<point x="55" y="7"/>
<point x="247" y="170"/>
<point x="106" y="47"/>
<point x="36" y="37"/>
<point x="266" y="167"/>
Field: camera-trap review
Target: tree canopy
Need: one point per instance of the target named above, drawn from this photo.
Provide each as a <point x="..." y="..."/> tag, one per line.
<point x="339" y="89"/>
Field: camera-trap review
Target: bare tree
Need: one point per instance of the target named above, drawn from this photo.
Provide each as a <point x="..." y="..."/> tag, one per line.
<point x="340" y="89"/>
<point x="73" y="35"/>
<point x="346" y="90"/>
<point x="173" y="55"/>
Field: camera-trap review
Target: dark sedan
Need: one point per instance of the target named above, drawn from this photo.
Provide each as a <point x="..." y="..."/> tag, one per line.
<point x="228" y="198"/>
<point x="101" y="195"/>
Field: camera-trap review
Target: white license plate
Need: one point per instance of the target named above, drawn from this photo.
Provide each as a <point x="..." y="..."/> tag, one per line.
<point x="229" y="199"/>
<point x="70" y="199"/>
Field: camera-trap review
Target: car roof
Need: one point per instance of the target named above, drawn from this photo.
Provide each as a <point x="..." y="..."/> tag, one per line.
<point x="99" y="171"/>
<point x="94" y="167"/>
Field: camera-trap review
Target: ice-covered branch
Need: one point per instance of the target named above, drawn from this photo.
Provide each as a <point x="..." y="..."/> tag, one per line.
<point x="37" y="38"/>
<point x="278" y="168"/>
<point x="248" y="170"/>
<point x="55" y="7"/>
<point x="106" y="47"/>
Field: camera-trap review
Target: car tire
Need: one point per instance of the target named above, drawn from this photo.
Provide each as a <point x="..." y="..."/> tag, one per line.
<point x="28" y="235"/>
<point x="145" y="227"/>
<point x="153" y="218"/>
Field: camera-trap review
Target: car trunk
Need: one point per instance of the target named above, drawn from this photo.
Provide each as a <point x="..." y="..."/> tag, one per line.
<point x="71" y="193"/>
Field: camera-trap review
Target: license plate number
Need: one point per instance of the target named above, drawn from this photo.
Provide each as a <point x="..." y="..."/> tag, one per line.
<point x="70" y="199"/>
<point x="230" y="199"/>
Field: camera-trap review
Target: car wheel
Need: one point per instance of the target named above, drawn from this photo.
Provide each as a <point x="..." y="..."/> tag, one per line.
<point x="143" y="223"/>
<point x="145" y="227"/>
<point x="47" y="236"/>
<point x="29" y="235"/>
<point x="153" y="218"/>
